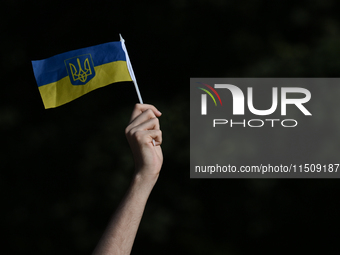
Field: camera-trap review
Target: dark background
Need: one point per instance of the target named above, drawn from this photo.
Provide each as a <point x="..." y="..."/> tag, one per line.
<point x="64" y="170"/>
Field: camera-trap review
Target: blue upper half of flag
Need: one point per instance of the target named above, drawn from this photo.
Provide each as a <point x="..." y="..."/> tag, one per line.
<point x="78" y="64"/>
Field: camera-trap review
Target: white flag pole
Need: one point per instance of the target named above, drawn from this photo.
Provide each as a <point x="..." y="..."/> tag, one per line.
<point x="132" y="74"/>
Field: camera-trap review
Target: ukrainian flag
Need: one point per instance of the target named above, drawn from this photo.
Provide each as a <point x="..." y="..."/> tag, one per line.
<point x="67" y="76"/>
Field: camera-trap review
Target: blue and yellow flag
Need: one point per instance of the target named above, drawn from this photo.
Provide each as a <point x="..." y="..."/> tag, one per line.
<point x="67" y="76"/>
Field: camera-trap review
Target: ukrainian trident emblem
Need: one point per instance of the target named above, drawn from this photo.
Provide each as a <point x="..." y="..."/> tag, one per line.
<point x="80" y="69"/>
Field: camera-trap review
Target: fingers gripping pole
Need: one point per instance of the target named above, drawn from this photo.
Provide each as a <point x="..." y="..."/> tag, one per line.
<point x="132" y="74"/>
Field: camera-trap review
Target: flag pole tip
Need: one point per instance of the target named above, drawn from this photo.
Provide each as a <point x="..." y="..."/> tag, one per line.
<point x="121" y="38"/>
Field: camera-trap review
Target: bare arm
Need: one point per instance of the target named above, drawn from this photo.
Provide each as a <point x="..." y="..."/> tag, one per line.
<point x="143" y="128"/>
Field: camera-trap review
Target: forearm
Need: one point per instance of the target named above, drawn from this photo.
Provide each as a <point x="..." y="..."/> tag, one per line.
<point x="145" y="138"/>
<point x="120" y="234"/>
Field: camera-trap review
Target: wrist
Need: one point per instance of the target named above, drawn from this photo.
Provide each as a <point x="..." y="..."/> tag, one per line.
<point x="145" y="181"/>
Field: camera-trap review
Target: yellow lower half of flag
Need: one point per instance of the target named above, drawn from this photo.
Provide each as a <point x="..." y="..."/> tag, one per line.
<point x="61" y="92"/>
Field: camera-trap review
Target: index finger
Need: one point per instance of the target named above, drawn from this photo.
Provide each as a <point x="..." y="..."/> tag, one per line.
<point x="139" y="108"/>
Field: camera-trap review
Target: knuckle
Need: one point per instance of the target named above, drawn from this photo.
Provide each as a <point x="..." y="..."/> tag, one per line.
<point x="137" y="106"/>
<point x="128" y="130"/>
<point x="155" y="120"/>
<point x="138" y="135"/>
<point x="150" y="113"/>
<point x="159" y="133"/>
